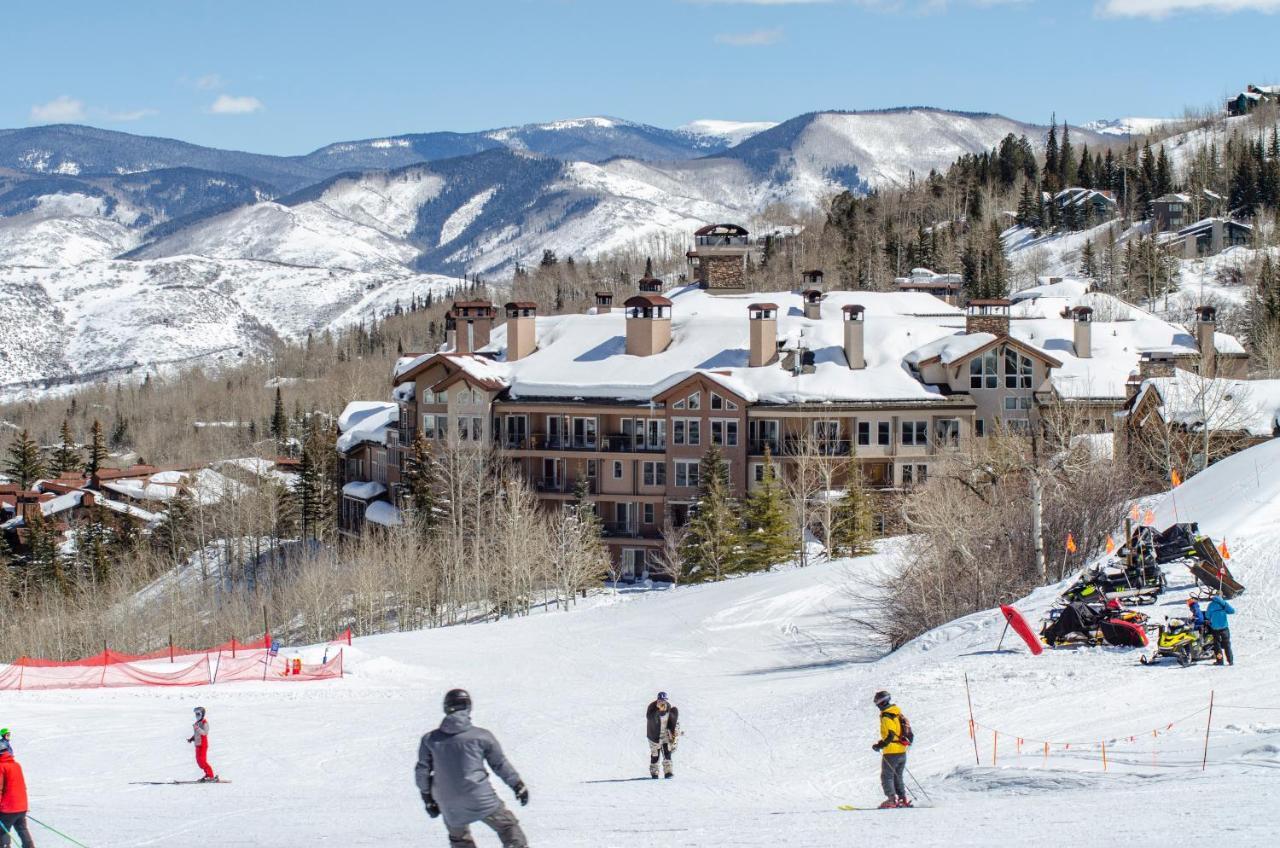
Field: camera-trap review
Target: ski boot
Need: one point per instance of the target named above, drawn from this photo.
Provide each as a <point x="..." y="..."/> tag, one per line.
<point x="904" y="801"/>
<point x="889" y="804"/>
<point x="653" y="771"/>
<point x="667" y="771"/>
<point x="207" y="779"/>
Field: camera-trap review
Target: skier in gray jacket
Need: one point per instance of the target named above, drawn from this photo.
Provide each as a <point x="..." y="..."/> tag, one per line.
<point x="453" y="781"/>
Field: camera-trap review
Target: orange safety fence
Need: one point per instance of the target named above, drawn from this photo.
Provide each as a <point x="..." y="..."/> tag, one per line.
<point x="109" y="657"/>
<point x="22" y="678"/>
<point x="261" y="666"/>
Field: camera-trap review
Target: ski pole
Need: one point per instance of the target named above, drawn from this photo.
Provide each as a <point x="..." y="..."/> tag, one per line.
<point x="917" y="783"/>
<point x="56" y="831"/>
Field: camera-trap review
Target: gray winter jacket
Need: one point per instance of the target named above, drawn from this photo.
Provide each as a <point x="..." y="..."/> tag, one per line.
<point x="451" y="768"/>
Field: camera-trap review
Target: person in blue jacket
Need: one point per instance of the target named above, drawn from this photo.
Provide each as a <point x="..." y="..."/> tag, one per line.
<point x="1217" y="614"/>
<point x="1197" y="615"/>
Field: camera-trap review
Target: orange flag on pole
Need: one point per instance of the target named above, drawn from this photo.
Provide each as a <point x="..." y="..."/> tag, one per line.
<point x="1111" y="544"/>
<point x="1134" y="514"/>
<point x="1222" y="549"/>
<point x="1071" y="543"/>
<point x="1149" y="519"/>
<point x="1174" y="478"/>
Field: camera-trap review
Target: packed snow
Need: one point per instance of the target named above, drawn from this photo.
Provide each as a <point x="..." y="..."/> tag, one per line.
<point x="774" y="687"/>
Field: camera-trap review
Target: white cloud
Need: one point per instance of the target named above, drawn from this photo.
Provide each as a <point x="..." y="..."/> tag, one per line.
<point x="228" y="104"/>
<point x="755" y="38"/>
<point x="208" y="82"/>
<point x="1164" y="8"/>
<point x="128" y="115"/>
<point x="60" y="110"/>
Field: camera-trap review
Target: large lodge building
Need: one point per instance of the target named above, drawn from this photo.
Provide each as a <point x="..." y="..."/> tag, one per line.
<point x="627" y="400"/>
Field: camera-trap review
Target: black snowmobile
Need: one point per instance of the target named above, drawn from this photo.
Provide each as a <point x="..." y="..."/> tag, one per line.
<point x="1141" y="584"/>
<point x="1175" y="543"/>
<point x="1094" y="624"/>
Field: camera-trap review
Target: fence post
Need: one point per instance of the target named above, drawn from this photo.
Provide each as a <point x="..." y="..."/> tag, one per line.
<point x="1104" y="756"/>
<point x="973" y="727"/>
<point x="1204" y="764"/>
<point x="171" y="649"/>
<point x="995" y="744"/>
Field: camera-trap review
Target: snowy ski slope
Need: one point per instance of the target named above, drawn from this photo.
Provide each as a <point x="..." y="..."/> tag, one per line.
<point x="774" y="689"/>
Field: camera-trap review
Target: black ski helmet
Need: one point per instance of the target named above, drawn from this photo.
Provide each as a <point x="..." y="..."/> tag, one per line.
<point x="881" y="699"/>
<point x="199" y="711"/>
<point x="456" y="700"/>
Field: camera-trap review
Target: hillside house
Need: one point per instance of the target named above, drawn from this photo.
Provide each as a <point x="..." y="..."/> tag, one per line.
<point x="946" y="287"/>
<point x="1172" y="212"/>
<point x="1207" y="237"/>
<point x="1252" y="96"/>
<point x="626" y="402"/>
<point x="1081" y="208"/>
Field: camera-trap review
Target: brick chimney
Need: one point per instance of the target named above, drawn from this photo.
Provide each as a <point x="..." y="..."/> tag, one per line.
<point x="987" y="316"/>
<point x="648" y="324"/>
<point x="522" y="337"/>
<point x="812" y="298"/>
<point x="854" y="350"/>
<point x="469" y="324"/>
<point x="764" y="333"/>
<point x="1082" y="322"/>
<point x="1206" y="329"/>
<point x="604" y="302"/>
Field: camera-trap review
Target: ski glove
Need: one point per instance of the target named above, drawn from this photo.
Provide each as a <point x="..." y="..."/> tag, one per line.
<point x="877" y="746"/>
<point x="433" y="809"/>
<point x="522" y="794"/>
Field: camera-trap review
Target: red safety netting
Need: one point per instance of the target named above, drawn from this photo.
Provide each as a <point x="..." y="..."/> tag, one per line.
<point x="260" y="666"/>
<point x="23" y="678"/>
<point x="109" y="657"/>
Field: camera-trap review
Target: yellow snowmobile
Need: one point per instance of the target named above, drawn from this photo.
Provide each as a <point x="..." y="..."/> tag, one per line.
<point x="1183" y="641"/>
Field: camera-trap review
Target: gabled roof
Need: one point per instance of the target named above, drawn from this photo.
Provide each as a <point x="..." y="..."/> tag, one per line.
<point x="964" y="346"/>
<point x="1246" y="406"/>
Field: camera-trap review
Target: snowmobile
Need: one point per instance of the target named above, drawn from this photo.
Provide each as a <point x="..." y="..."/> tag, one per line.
<point x="1170" y="545"/>
<point x="1183" y="641"/>
<point x="1088" y="624"/>
<point x="1141" y="584"/>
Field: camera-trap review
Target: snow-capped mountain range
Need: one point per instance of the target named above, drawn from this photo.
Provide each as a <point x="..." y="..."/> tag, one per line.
<point x="94" y="224"/>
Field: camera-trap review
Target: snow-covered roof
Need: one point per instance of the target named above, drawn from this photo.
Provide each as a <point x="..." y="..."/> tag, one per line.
<point x="949" y="349"/>
<point x="1251" y="406"/>
<point x="381" y="512"/>
<point x="366" y="421"/>
<point x="366" y="490"/>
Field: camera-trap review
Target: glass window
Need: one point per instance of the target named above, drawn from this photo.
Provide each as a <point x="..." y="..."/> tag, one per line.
<point x="882" y="433"/>
<point x="864" y="432"/>
<point x="464" y="428"/>
<point x="695" y="431"/>
<point x="980" y="427"/>
<point x="477" y="429"/>
<point x="724" y="432"/>
<point x="922" y="474"/>
<point x="429" y="426"/>
<point x="948" y="432"/>
<point x="915" y="433"/>
<point x="717" y="402"/>
<point x="617" y="470"/>
<point x="907" y="479"/>
<point x="983" y="370"/>
<point x="695" y="400"/>
<point x="1010" y="404"/>
<point x="1018" y="369"/>
<point x="686" y="472"/>
<point x="648" y="513"/>
<point x="678" y="405"/>
<point x="655" y="473"/>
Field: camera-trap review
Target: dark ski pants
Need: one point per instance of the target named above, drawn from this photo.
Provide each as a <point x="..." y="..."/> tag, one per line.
<point x="503" y="822"/>
<point x="891" y="768"/>
<point x="16" y="823"/>
<point x="660" y="750"/>
<point x="1222" y="644"/>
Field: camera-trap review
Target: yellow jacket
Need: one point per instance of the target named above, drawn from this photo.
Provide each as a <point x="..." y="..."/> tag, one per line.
<point x="891" y="730"/>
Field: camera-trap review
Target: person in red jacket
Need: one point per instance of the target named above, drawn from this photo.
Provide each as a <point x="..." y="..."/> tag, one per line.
<point x="200" y="738"/>
<point x="13" y="800"/>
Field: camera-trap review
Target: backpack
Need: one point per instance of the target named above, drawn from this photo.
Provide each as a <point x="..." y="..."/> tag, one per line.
<point x="906" y="736"/>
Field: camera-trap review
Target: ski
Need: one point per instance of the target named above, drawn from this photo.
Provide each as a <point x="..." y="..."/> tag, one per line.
<point x="849" y="808"/>
<point x="175" y="782"/>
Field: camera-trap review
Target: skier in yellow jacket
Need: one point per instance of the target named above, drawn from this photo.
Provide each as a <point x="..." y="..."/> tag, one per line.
<point x="894" y="739"/>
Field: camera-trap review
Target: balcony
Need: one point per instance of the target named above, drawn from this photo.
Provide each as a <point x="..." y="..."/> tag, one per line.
<point x="623" y="530"/>
<point x="570" y="444"/>
<point x="822" y="447"/>
<point x="554" y="486"/>
<point x="757" y="446"/>
<point x="624" y="443"/>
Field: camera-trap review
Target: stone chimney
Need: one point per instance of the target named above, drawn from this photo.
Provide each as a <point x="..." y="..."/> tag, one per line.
<point x="650" y="285"/>
<point x="764" y="334"/>
<point x="648" y="324"/>
<point x="987" y="316"/>
<point x="604" y="302"/>
<point x="522" y="337"/>
<point x="469" y="325"/>
<point x="853" y="341"/>
<point x="812" y="300"/>
<point x="1206" y="329"/>
<point x="1155" y="365"/>
<point x="1083" y="323"/>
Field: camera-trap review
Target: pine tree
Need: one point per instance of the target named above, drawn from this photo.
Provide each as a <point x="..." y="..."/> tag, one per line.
<point x="172" y="536"/>
<point x="1051" y="166"/>
<point x="97" y="450"/>
<point x="1066" y="160"/>
<point x="420" y="486"/>
<point x="1084" y="173"/>
<point x="710" y="547"/>
<point x="1088" y="261"/>
<point x="1164" y="174"/>
<point x="92" y="546"/>
<point x="67" y="455"/>
<point x="855" y="528"/>
<point x="45" y="557"/>
<point x="316" y="488"/>
<point x="24" y="464"/>
<point x="766" y="537"/>
<point x="279" y="422"/>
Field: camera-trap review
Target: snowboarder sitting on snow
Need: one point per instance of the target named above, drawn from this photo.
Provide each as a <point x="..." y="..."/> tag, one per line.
<point x="1217" y="614"/>
<point x="662" y="722"/>
<point x="13" y="799"/>
<point x="200" y="738"/>
<point x="452" y="778"/>
<point x="895" y="736"/>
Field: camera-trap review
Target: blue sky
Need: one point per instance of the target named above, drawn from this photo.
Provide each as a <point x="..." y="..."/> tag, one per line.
<point x="286" y="77"/>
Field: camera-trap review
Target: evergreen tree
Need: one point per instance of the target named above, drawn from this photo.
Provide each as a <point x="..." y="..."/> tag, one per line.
<point x="1164" y="174"/>
<point x="1066" y="158"/>
<point x="67" y="455"/>
<point x="172" y="536"/>
<point x="710" y="547"/>
<point x="92" y="546"/>
<point x="45" y="557"/>
<point x="97" y="449"/>
<point x="279" y="422"/>
<point x="420" y="486"/>
<point x="855" y="527"/>
<point x="24" y="464"/>
<point x="1084" y="173"/>
<point x="1088" y="261"/>
<point x="766" y="537"/>
<point x="648" y="267"/>
<point x="316" y="488"/>
<point x="120" y="432"/>
<point x="1052" y="167"/>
